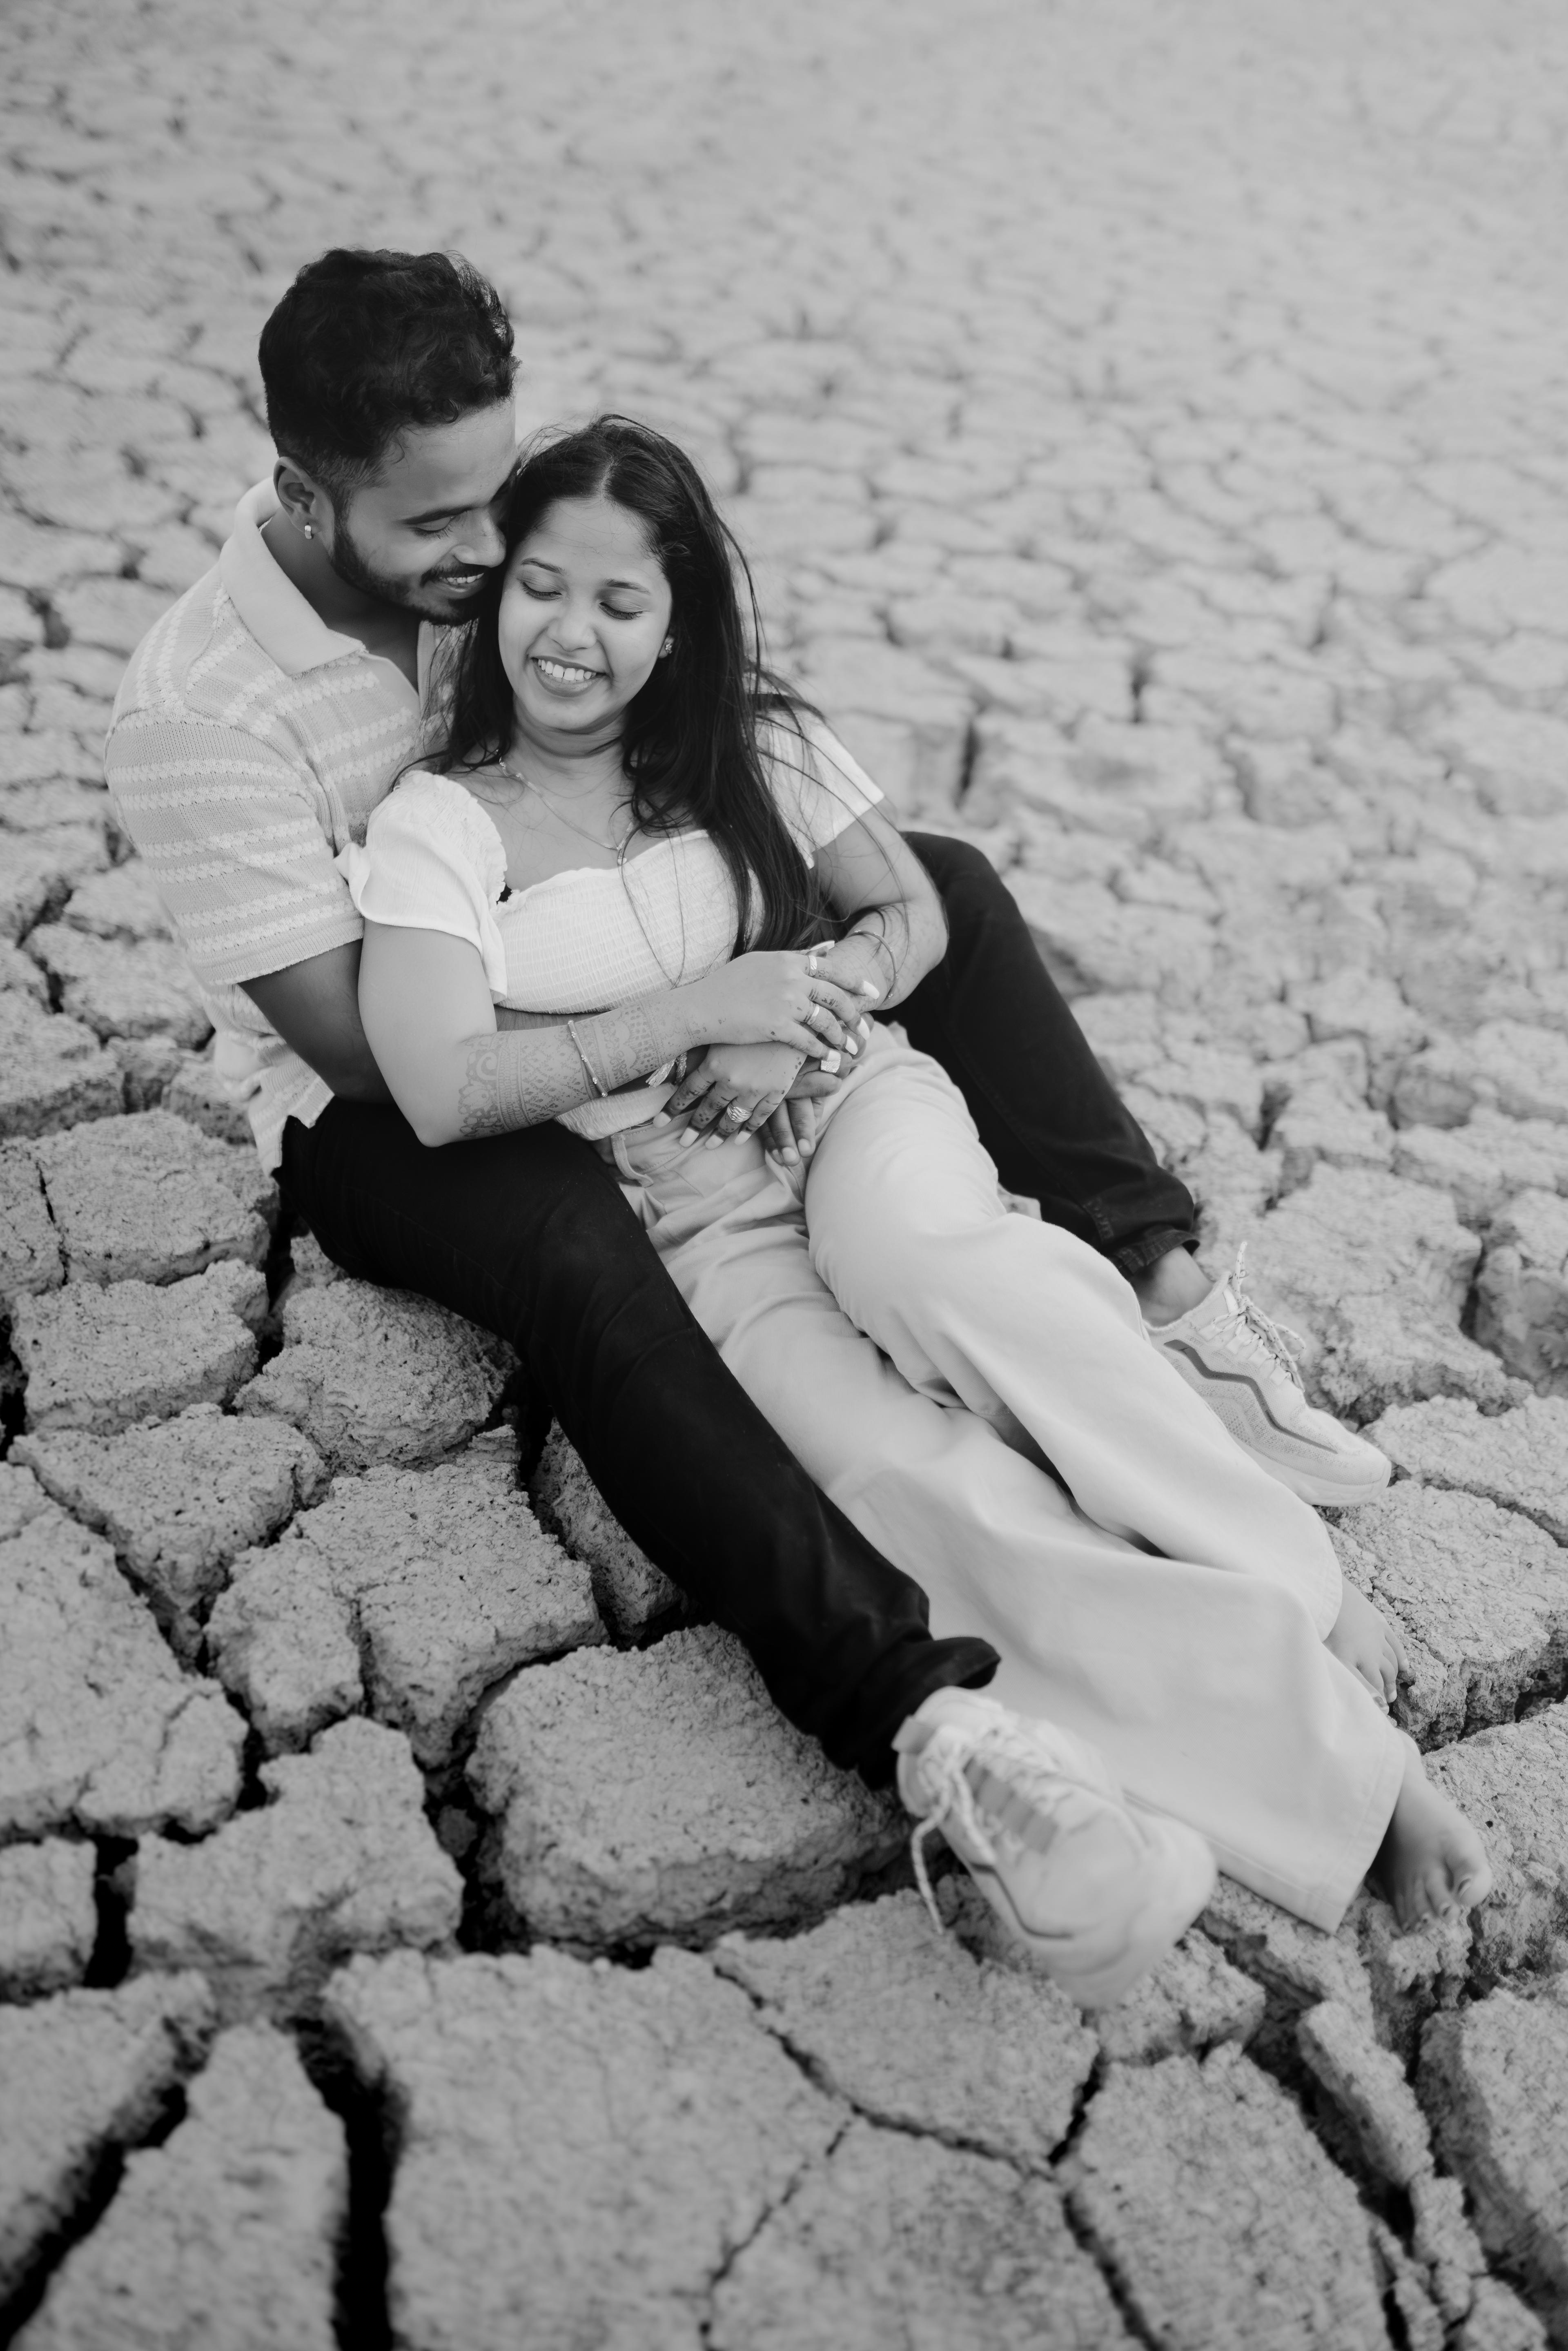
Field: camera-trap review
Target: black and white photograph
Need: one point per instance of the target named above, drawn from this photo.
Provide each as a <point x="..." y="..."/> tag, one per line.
<point x="783" y="1176"/>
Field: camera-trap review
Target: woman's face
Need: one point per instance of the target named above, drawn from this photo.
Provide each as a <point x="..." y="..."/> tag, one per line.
<point x="584" y="614"/>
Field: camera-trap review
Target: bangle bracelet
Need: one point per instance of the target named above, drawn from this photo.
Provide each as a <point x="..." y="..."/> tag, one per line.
<point x="603" y="1091"/>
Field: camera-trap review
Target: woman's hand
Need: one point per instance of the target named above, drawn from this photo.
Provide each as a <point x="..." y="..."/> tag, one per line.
<point x="780" y="999"/>
<point x="734" y="1090"/>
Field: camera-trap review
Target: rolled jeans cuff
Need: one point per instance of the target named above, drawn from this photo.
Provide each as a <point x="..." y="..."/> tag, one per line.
<point x="1136" y="1256"/>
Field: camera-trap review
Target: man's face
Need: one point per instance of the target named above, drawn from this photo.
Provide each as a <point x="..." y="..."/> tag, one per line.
<point x="423" y="534"/>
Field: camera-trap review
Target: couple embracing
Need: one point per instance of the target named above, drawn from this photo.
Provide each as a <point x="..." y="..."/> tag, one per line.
<point x="559" y="942"/>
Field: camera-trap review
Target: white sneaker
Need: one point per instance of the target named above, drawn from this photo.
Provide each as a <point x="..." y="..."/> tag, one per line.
<point x="1096" y="1891"/>
<point x="1244" y="1367"/>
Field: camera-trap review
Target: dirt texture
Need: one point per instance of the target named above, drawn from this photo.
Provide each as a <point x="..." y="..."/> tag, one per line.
<point x="179" y="1499"/>
<point x="340" y="1859"/>
<point x="49" y="1918"/>
<point x="1512" y="1782"/>
<point x="227" y="2234"/>
<point x="1494" y="2077"/>
<point x="896" y="2240"/>
<point x="85" y="2073"/>
<point x="1517" y="1459"/>
<point x="1199" y="2184"/>
<point x="615" y="1826"/>
<point x="1481" y="1595"/>
<point x="107" y="1358"/>
<point x="371" y="1375"/>
<point x="53" y="1071"/>
<point x="148" y="1198"/>
<point x="915" y="2032"/>
<point x="436" y="1583"/>
<point x="545" y="2194"/>
<point x="119" y="989"/>
<point x="99" y="1729"/>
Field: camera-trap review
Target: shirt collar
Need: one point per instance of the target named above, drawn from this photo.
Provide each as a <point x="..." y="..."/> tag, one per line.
<point x="285" y="624"/>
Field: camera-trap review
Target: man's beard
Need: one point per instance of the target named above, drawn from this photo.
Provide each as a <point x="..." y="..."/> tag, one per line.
<point x="423" y="596"/>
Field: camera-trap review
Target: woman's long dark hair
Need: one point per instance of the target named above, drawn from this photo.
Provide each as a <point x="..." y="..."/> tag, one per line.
<point x="689" y="741"/>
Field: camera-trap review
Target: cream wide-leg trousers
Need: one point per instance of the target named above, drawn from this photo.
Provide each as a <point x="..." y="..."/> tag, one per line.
<point x="931" y="1359"/>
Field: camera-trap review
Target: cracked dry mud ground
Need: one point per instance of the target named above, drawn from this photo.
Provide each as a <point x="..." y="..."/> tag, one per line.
<point x="1152" y="428"/>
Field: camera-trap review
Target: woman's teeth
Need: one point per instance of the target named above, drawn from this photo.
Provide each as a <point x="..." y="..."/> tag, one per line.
<point x="564" y="673"/>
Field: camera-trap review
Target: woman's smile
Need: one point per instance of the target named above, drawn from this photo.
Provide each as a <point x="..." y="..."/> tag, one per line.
<point x="564" y="676"/>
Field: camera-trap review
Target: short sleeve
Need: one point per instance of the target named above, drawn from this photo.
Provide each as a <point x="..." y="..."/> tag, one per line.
<point x="820" y="787"/>
<point x="235" y="843"/>
<point x="432" y="860"/>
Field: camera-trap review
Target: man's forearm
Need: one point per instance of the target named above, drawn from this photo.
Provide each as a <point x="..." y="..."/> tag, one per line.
<point x="314" y="1006"/>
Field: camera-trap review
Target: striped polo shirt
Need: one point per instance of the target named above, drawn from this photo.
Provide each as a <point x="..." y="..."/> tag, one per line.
<point x="248" y="746"/>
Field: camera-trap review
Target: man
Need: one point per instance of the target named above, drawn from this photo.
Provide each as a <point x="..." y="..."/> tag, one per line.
<point x="259" y="722"/>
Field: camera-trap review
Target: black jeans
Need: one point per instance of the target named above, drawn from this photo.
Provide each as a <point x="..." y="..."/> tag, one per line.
<point x="1050" y="1117"/>
<point x="528" y="1235"/>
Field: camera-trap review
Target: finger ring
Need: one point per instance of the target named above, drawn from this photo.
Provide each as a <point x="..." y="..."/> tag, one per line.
<point x="738" y="1111"/>
<point x="812" y="1016"/>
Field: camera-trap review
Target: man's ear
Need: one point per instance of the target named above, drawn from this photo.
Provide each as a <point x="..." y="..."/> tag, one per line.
<point x="304" y="502"/>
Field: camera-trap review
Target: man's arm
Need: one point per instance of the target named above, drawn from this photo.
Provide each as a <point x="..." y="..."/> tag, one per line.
<point x="315" y="1008"/>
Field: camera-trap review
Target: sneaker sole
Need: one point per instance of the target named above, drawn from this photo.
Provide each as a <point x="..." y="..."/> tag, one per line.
<point x="1328" y="1492"/>
<point x="1180" y="1884"/>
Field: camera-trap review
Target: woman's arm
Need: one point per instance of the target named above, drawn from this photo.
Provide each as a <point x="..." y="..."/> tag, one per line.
<point x="428" y="1015"/>
<point x="870" y="873"/>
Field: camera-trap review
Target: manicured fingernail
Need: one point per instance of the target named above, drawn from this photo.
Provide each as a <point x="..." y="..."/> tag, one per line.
<point x="790" y="1158"/>
<point x="807" y="1149"/>
<point x="868" y="987"/>
<point x="831" y="1061"/>
<point x="851" y="1046"/>
<point x="660" y="1118"/>
<point x="690" y="1136"/>
<point x="715" y="1142"/>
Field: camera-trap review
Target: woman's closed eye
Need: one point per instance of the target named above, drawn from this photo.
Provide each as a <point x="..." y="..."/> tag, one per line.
<point x="547" y="595"/>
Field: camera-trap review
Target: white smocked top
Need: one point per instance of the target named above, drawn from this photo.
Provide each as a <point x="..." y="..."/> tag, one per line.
<point x="593" y="936"/>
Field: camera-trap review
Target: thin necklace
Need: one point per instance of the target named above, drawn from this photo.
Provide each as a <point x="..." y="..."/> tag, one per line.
<point x="618" y="850"/>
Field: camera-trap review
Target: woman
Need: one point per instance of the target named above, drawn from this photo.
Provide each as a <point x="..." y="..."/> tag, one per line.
<point x="626" y="813"/>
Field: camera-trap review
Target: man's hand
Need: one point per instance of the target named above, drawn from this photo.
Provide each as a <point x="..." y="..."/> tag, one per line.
<point x="860" y="963"/>
<point x="791" y="1131"/>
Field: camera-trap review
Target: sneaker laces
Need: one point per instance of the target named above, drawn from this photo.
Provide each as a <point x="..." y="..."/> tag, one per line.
<point x="1277" y="1339"/>
<point x="943" y="1759"/>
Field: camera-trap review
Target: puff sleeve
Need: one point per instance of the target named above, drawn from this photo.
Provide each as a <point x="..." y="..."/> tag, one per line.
<point x="432" y="860"/>
<point x="820" y="787"/>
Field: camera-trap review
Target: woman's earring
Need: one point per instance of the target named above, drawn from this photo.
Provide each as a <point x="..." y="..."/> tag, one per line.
<point x="668" y="647"/>
<point x="309" y="531"/>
